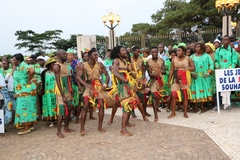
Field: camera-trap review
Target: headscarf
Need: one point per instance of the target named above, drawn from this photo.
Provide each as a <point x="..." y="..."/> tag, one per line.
<point x="71" y="51"/>
<point x="211" y="46"/>
<point x="182" y="44"/>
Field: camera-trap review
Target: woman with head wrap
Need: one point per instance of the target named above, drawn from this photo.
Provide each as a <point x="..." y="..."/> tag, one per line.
<point x="201" y="87"/>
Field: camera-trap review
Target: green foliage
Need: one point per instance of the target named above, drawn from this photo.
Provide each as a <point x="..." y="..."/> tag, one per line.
<point x="37" y="42"/>
<point x="143" y="28"/>
<point x="66" y="43"/>
<point x="179" y="15"/>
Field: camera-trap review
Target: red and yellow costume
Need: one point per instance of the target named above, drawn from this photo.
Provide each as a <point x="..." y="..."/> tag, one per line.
<point x="156" y="84"/>
<point x="123" y="92"/>
<point x="92" y="77"/>
<point x="66" y="84"/>
<point x="137" y="66"/>
<point x="181" y="80"/>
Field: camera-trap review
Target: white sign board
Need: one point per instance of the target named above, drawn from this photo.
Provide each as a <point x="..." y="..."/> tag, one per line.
<point x="2" y="130"/>
<point x="227" y="79"/>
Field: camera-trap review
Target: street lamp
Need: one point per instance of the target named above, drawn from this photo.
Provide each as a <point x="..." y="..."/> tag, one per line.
<point x="226" y="6"/>
<point x="111" y="18"/>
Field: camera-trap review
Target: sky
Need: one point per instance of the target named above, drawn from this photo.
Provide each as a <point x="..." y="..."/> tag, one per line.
<point x="70" y="16"/>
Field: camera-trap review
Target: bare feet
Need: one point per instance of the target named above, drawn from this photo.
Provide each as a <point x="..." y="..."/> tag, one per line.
<point x="147" y="114"/>
<point x="156" y="120"/>
<point x="60" y="135"/>
<point x="185" y="116"/>
<point x="171" y="116"/>
<point x="92" y="118"/>
<point x="145" y="119"/>
<point x="125" y="133"/>
<point x="130" y="125"/>
<point x="110" y="122"/>
<point x="82" y="133"/>
<point x="68" y="130"/>
<point x="101" y="129"/>
<point x="134" y="116"/>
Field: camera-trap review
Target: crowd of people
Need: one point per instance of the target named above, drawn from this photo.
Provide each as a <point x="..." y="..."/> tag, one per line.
<point x="63" y="87"/>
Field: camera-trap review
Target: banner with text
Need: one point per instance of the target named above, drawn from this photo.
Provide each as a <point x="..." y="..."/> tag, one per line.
<point x="227" y="79"/>
<point x="2" y="130"/>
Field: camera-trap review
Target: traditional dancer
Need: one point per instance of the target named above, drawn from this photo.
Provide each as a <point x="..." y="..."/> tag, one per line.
<point x="93" y="93"/>
<point x="72" y="64"/>
<point x="132" y="75"/>
<point x="122" y="86"/>
<point x="180" y="80"/>
<point x="81" y="88"/>
<point x="139" y="70"/>
<point x="155" y="67"/>
<point x="63" y="91"/>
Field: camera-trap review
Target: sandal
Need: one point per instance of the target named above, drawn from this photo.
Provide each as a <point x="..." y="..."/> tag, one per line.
<point x="24" y="132"/>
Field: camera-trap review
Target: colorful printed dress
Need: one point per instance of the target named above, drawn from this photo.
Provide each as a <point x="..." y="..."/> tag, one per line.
<point x="66" y="84"/>
<point x="92" y="76"/>
<point x="156" y="84"/>
<point x="201" y="89"/>
<point x="181" y="80"/>
<point x="25" y="93"/>
<point x="49" y="107"/>
<point x="123" y="92"/>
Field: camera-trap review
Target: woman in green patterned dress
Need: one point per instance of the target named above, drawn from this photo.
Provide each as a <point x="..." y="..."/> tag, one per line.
<point x="201" y="89"/>
<point x="48" y="97"/>
<point x="210" y="50"/>
<point x="25" y="92"/>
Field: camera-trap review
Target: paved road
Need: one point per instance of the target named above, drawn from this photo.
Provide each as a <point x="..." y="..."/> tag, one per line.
<point x="150" y="141"/>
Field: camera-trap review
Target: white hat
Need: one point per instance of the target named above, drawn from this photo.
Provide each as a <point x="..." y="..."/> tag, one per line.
<point x="217" y="40"/>
<point x="44" y="58"/>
